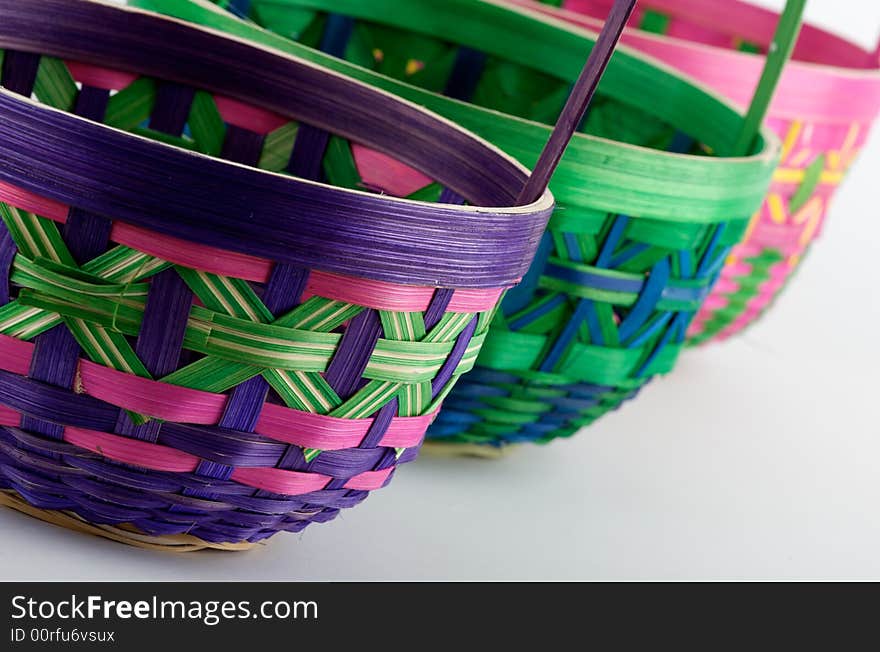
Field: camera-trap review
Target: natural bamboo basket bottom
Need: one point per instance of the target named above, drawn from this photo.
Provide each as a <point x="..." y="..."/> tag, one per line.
<point x="442" y="449"/>
<point x="122" y="534"/>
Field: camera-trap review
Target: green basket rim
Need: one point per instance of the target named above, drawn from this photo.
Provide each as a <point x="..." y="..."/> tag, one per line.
<point x="639" y="181"/>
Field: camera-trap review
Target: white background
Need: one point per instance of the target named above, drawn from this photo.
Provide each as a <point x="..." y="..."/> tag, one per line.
<point x="758" y="458"/>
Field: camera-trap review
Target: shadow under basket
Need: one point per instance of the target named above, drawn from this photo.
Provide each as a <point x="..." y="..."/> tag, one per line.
<point x="218" y="320"/>
<point x="826" y="101"/>
<point x="649" y="202"/>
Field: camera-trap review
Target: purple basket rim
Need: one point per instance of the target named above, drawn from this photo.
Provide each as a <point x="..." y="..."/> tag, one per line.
<point x="501" y="240"/>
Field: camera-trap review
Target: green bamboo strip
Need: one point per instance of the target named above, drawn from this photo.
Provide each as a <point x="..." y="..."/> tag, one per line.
<point x="226" y="295"/>
<point x="339" y="164"/>
<point x="106" y="347"/>
<point x="403" y="325"/>
<point x="109" y="349"/>
<point x="779" y="53"/>
<point x="212" y="375"/>
<point x="319" y="314"/>
<point x="132" y="105"/>
<point x="177" y="141"/>
<point x="110" y="314"/>
<point x="413" y="399"/>
<point x="26" y="322"/>
<point x="368" y="400"/>
<point x="278" y="148"/>
<point x="55" y="85"/>
<point x="125" y="265"/>
<point x="303" y="390"/>
<point x="449" y="327"/>
<point x="34" y="236"/>
<point x="120" y="307"/>
<point x="52" y="277"/>
<point x="206" y="124"/>
<point x="812" y="177"/>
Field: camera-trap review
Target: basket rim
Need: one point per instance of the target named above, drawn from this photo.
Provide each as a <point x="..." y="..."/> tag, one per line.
<point x="432" y="244"/>
<point x="798" y="109"/>
<point x="477" y="139"/>
<point x="868" y="71"/>
<point x="719" y="172"/>
<point x="47" y="182"/>
<point x="541" y="204"/>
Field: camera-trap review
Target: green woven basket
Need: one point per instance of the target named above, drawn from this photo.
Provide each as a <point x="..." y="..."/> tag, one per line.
<point x="649" y="202"/>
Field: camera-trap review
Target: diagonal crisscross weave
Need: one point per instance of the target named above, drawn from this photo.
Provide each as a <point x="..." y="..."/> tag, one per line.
<point x="212" y="393"/>
<point x="610" y="296"/>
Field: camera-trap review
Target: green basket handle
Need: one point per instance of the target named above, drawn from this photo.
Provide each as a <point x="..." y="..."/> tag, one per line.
<point x="778" y="54"/>
<point x="578" y="101"/>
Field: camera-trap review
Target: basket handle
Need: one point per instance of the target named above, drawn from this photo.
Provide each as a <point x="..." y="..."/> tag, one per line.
<point x="778" y="54"/>
<point x="578" y="101"/>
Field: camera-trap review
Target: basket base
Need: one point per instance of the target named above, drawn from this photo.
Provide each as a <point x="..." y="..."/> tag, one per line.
<point x="122" y="533"/>
<point x="441" y="449"/>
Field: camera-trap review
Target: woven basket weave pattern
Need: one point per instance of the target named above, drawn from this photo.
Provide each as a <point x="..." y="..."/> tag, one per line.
<point x="815" y="159"/>
<point x="822" y="135"/>
<point x="184" y="388"/>
<point x="239" y="343"/>
<point x="610" y="297"/>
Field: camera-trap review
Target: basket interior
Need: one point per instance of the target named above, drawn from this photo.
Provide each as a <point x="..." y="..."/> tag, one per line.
<point x="494" y="82"/>
<point x="225" y="128"/>
<point x="179" y="95"/>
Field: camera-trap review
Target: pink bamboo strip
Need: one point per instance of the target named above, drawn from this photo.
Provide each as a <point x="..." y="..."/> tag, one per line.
<point x="379" y="295"/>
<point x="172" y="403"/>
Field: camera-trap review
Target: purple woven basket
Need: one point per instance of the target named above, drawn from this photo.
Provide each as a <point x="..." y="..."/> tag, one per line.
<point x="203" y="352"/>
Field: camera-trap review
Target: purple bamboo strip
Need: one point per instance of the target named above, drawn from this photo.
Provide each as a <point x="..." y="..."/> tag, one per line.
<point x="578" y="102"/>
<point x="18" y="74"/>
<point x="381" y="421"/>
<point x="288" y="282"/>
<point x="217" y="445"/>
<point x="87" y="235"/>
<point x="160" y="340"/>
<point x="42" y="401"/>
<point x="311" y="143"/>
<point x="245" y="405"/>
<point x="285" y="288"/>
<point x="172" y="108"/>
<point x="306" y="160"/>
<point x="286" y="285"/>
<point x="20" y="71"/>
<point x="437" y="307"/>
<point x="246" y="400"/>
<point x="293" y="458"/>
<point x="7" y="255"/>
<point x="92" y="103"/>
<point x="242" y="146"/>
<point x="448" y="369"/>
<point x="448" y="196"/>
<point x="353" y="353"/>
